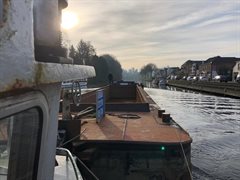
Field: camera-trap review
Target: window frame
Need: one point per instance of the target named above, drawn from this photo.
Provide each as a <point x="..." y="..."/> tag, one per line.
<point x="18" y="103"/>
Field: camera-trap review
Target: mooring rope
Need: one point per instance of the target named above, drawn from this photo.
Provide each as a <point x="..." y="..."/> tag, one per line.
<point x="82" y="163"/>
<point x="124" y="129"/>
<point x="185" y="158"/>
<point x="70" y="140"/>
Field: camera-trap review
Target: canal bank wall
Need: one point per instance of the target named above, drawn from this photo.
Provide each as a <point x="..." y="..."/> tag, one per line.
<point x="218" y="88"/>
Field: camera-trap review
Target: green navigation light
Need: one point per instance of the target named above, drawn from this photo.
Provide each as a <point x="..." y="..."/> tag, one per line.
<point x="162" y="148"/>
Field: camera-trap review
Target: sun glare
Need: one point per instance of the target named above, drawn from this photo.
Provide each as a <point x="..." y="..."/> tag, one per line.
<point x="69" y="20"/>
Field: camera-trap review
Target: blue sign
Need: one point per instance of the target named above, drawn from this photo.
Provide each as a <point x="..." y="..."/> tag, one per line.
<point x="100" y="105"/>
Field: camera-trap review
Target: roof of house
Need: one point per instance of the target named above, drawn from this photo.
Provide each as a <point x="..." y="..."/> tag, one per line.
<point x="219" y="58"/>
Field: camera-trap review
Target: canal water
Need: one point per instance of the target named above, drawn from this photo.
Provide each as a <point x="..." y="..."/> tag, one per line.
<point x="214" y="125"/>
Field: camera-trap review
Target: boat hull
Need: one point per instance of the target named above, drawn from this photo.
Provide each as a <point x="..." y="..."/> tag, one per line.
<point x="136" y="161"/>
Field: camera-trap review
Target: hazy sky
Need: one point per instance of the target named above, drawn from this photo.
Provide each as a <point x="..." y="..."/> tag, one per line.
<point x="163" y="32"/>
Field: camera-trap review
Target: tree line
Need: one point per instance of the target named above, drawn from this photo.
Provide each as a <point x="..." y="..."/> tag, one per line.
<point x="85" y="54"/>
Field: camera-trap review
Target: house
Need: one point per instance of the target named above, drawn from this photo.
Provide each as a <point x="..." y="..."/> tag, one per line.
<point x="172" y="71"/>
<point x="236" y="70"/>
<point x="218" y="66"/>
<point x="190" y="67"/>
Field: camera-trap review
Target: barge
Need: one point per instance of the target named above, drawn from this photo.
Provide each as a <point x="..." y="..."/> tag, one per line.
<point x="132" y="139"/>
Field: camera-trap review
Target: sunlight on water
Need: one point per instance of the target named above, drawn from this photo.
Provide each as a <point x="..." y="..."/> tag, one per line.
<point x="214" y="124"/>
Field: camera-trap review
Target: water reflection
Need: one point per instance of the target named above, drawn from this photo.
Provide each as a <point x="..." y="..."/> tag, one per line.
<point x="214" y="124"/>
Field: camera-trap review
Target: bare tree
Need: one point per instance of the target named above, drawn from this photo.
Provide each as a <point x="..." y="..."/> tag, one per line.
<point x="84" y="52"/>
<point x="72" y="52"/>
<point x="147" y="69"/>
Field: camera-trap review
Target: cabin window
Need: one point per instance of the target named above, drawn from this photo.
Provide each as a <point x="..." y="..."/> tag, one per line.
<point x="20" y="136"/>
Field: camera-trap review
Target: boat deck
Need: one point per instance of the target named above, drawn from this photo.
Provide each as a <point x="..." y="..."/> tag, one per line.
<point x="148" y="128"/>
<point x="130" y="100"/>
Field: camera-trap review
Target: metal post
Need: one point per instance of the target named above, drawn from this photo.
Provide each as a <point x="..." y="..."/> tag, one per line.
<point x="160" y="112"/>
<point x="66" y="111"/>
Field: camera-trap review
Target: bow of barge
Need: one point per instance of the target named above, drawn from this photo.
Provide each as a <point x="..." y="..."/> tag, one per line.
<point x="134" y="139"/>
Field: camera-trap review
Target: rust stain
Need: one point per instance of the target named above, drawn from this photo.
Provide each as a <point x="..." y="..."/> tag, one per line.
<point x="26" y="83"/>
<point x="18" y="84"/>
<point x="37" y="79"/>
<point x="16" y="87"/>
<point x="38" y="73"/>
